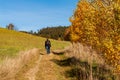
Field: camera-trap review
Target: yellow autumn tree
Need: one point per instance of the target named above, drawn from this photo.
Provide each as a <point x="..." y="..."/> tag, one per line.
<point x="82" y="28"/>
<point x="96" y="23"/>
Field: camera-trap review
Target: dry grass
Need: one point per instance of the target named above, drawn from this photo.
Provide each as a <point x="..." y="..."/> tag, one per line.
<point x="87" y="64"/>
<point x="10" y="67"/>
<point x="84" y="53"/>
<point x="11" y="43"/>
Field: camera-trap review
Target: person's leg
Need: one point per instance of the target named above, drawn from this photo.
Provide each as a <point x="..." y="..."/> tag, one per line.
<point x="48" y="50"/>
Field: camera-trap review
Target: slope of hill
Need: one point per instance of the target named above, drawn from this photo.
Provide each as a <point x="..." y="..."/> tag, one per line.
<point x="78" y="63"/>
<point x="11" y="42"/>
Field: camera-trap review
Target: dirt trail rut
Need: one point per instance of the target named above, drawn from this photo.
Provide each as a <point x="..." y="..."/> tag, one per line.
<point x="49" y="70"/>
<point x="44" y="68"/>
<point x="31" y="74"/>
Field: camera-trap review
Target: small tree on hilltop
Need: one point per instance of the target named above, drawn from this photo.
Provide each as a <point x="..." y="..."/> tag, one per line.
<point x="10" y="27"/>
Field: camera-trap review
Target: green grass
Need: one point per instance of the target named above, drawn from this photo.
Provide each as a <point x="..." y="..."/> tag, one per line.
<point x="12" y="42"/>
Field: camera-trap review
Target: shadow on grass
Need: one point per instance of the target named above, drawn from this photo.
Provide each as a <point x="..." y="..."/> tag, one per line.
<point x="77" y="74"/>
<point x="58" y="53"/>
<point x="70" y="62"/>
<point x="65" y="62"/>
<point x="41" y="53"/>
<point x="80" y="70"/>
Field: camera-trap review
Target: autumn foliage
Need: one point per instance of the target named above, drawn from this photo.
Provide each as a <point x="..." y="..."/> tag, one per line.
<point x="96" y="23"/>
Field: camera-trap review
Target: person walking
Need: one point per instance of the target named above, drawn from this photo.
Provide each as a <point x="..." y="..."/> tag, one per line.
<point x="47" y="45"/>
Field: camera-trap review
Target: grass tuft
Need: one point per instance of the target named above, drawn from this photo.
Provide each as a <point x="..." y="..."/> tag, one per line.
<point x="11" y="67"/>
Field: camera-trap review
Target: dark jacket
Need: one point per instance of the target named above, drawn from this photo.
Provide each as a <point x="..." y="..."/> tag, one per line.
<point x="48" y="43"/>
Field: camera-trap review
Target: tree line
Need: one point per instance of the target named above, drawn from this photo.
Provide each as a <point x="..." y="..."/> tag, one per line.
<point x="52" y="32"/>
<point x="56" y="32"/>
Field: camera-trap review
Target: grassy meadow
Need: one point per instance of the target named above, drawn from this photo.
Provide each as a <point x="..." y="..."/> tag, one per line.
<point x="12" y="42"/>
<point x="82" y="63"/>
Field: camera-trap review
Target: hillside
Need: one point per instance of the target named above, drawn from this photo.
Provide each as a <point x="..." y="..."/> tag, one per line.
<point x="76" y="62"/>
<point x="12" y="42"/>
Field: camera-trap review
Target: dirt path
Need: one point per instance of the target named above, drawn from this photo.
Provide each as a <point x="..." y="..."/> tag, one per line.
<point x="44" y="68"/>
<point x="31" y="74"/>
<point x="49" y="70"/>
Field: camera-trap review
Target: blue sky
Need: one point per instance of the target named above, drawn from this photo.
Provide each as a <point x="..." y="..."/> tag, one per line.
<point x="29" y="15"/>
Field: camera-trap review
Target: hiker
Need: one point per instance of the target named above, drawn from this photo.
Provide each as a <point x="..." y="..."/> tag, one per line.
<point x="47" y="45"/>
